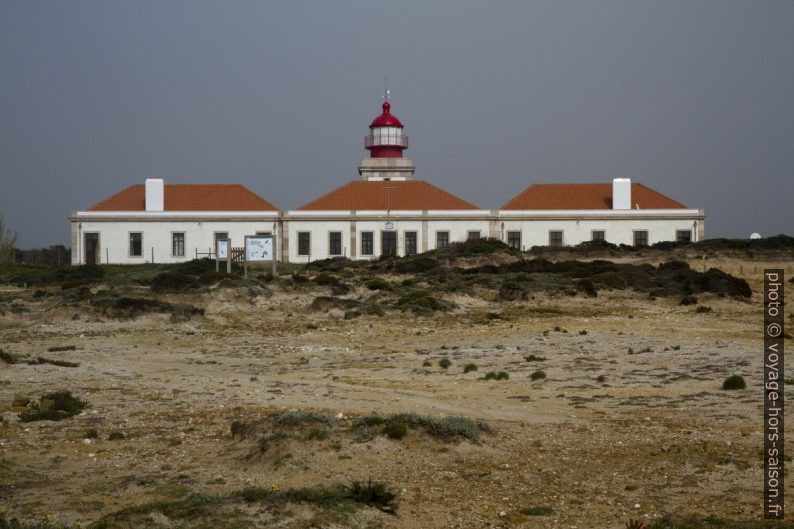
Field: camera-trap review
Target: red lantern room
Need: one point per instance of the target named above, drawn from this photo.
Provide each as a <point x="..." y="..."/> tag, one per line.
<point x="386" y="138"/>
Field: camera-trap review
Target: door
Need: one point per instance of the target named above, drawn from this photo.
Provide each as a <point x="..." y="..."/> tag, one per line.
<point x="91" y="248"/>
<point x="388" y="243"/>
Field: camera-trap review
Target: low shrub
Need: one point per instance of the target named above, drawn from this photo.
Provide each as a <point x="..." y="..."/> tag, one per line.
<point x="734" y="382"/>
<point x="689" y="300"/>
<point x="444" y="363"/>
<point x="377" y="284"/>
<point x="469" y="368"/>
<point x="703" y="309"/>
<point x="535" y="358"/>
<point x="8" y="358"/>
<point x="538" y="375"/>
<point x="54" y="406"/>
<point x="494" y="375"/>
<point x="538" y="511"/>
<point x="395" y="429"/>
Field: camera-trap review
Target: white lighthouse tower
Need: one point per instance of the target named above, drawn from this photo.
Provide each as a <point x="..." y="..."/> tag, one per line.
<point x="386" y="143"/>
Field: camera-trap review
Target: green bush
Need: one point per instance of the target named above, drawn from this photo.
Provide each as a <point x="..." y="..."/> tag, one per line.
<point x="377" y="284"/>
<point x="469" y="368"/>
<point x="395" y="429"/>
<point x="444" y="363"/>
<point x="493" y="375"/>
<point x="54" y="406"/>
<point x="734" y="382"/>
<point x="538" y="375"/>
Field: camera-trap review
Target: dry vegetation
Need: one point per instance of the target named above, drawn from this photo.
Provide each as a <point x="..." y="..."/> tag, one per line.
<point x="470" y="387"/>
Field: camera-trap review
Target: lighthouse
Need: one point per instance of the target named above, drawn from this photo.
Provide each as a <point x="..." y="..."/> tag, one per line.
<point x="386" y="143"/>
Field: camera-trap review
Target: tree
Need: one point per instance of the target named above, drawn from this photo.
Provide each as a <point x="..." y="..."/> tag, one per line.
<point x="8" y="242"/>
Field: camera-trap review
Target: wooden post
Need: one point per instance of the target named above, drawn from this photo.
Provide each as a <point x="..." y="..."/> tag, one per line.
<point x="229" y="257"/>
<point x="152" y="254"/>
<point x="107" y="256"/>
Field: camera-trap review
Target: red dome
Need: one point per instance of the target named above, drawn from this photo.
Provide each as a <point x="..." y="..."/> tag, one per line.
<point x="386" y="119"/>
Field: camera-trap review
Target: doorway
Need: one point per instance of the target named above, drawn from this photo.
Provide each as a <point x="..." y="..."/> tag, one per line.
<point x="388" y="243"/>
<point x="92" y="248"/>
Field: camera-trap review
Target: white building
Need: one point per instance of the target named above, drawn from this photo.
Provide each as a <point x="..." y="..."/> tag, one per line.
<point x="386" y="212"/>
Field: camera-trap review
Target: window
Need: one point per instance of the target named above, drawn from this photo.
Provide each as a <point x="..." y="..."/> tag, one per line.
<point x="683" y="235"/>
<point x="640" y="238"/>
<point x="598" y="235"/>
<point x="178" y="244"/>
<point x="304" y="243"/>
<point x="555" y="238"/>
<point x="472" y="235"/>
<point x="442" y="239"/>
<point x="514" y="239"/>
<point x="136" y="244"/>
<point x="335" y="243"/>
<point x="410" y="243"/>
<point x="388" y="243"/>
<point x="367" y="247"/>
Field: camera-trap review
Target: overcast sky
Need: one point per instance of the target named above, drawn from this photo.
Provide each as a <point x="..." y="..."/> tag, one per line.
<point x="694" y="98"/>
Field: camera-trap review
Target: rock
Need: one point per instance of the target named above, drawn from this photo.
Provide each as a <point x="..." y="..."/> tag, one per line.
<point x="20" y="400"/>
<point x="315" y="361"/>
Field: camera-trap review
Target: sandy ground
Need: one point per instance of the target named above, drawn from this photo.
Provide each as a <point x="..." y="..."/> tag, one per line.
<point x="606" y="437"/>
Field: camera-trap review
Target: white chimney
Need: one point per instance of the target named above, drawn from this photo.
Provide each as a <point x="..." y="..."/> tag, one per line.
<point x="155" y="194"/>
<point x="621" y="193"/>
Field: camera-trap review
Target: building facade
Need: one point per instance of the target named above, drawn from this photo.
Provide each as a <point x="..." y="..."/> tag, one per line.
<point x="385" y="212"/>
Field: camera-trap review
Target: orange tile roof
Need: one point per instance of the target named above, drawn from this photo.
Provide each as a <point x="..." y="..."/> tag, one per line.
<point x="189" y="197"/>
<point x="586" y="196"/>
<point x="387" y="195"/>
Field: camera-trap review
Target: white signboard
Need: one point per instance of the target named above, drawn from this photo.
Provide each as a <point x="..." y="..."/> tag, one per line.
<point x="258" y="248"/>
<point x="223" y="246"/>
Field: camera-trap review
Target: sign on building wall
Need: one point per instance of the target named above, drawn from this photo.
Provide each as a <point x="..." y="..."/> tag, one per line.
<point x="258" y="248"/>
<point x="223" y="247"/>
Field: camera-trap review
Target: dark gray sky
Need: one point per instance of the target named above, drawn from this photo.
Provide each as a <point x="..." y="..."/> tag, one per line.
<point x="694" y="98"/>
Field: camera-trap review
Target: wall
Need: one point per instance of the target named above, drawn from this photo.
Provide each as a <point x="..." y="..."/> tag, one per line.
<point x="199" y="229"/>
<point x="199" y="237"/>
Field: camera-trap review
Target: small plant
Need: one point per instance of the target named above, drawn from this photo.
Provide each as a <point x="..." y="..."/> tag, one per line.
<point x="116" y="436"/>
<point x="788" y="380"/>
<point x="468" y="368"/>
<point x="377" y="284"/>
<point x="375" y="494"/>
<point x="444" y="363"/>
<point x="7" y="357"/>
<point x="535" y="358"/>
<point x="538" y="511"/>
<point x="689" y="300"/>
<point x="734" y="382"/>
<point x="703" y="309"/>
<point x="54" y="406"/>
<point x="58" y="348"/>
<point x="493" y="375"/>
<point x="582" y="332"/>
<point x="601" y="378"/>
<point x="92" y="434"/>
<point x="538" y="375"/>
<point x="395" y="429"/>
<point x="318" y="434"/>
<point x="427" y="363"/>
<point x="635" y="524"/>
